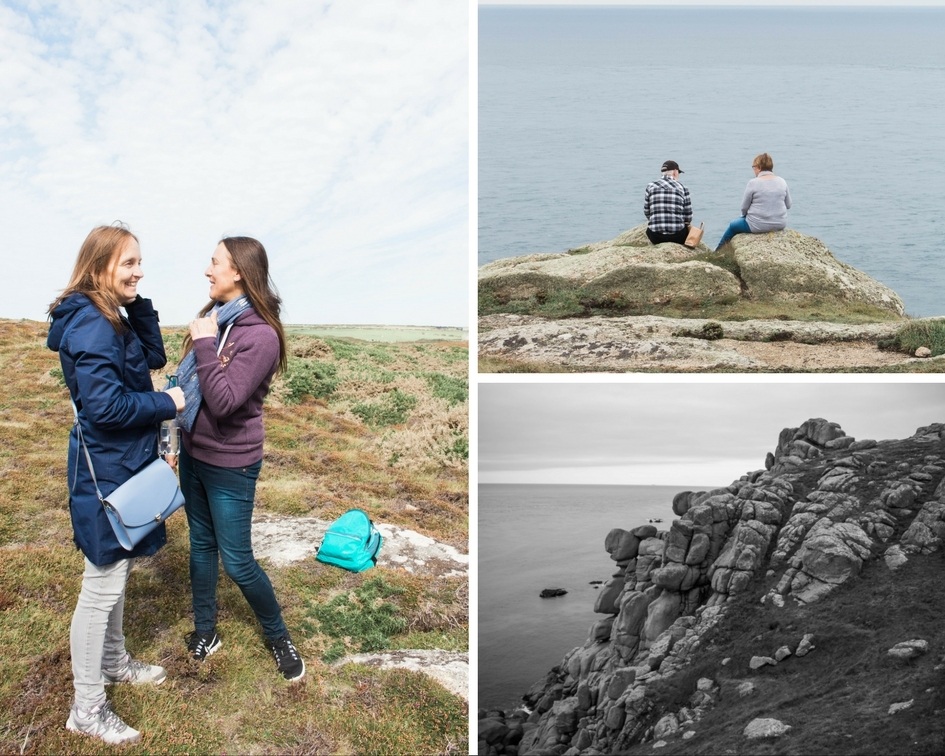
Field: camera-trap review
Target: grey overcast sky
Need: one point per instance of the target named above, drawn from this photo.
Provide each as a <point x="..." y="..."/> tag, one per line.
<point x="759" y="3"/>
<point x="335" y="132"/>
<point x="675" y="433"/>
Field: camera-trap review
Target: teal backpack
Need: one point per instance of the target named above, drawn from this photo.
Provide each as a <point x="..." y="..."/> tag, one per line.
<point x="351" y="542"/>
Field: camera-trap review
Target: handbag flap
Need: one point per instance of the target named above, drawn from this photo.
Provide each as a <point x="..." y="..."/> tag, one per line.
<point x="147" y="496"/>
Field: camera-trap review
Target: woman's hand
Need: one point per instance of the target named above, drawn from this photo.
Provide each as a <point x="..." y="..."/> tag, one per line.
<point x="177" y="394"/>
<point x="171" y="460"/>
<point x="202" y="328"/>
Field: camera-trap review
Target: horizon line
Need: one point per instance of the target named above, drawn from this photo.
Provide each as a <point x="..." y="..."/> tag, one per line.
<point x="307" y="325"/>
<point x="639" y="485"/>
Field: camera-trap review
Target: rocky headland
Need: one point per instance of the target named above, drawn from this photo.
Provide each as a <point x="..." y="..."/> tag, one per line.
<point x="768" y="302"/>
<point x="784" y="605"/>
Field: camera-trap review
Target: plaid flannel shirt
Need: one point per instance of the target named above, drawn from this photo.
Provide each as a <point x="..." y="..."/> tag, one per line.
<point x="667" y="206"/>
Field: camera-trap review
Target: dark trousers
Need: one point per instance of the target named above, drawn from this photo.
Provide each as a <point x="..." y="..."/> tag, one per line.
<point x="219" y="506"/>
<point x="677" y="236"/>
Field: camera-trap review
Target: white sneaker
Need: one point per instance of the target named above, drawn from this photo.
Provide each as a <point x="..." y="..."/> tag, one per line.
<point x="103" y="723"/>
<point x="135" y="672"/>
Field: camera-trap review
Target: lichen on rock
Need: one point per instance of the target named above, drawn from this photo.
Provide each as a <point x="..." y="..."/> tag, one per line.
<point x="629" y="273"/>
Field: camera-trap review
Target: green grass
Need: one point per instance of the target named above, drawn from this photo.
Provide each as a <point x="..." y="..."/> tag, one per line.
<point x="453" y="389"/>
<point x="493" y="364"/>
<point x="557" y="301"/>
<point x="392" y="409"/>
<point x="309" y="379"/>
<point x="924" y="333"/>
<point x="362" y="620"/>
<point x="388" y="334"/>
<point x="320" y="460"/>
<point x="836" y="698"/>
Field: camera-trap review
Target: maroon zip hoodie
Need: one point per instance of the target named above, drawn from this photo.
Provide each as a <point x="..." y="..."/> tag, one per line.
<point x="228" y="429"/>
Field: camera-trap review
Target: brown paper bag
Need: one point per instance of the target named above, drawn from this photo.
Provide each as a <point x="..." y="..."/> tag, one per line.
<point x="695" y="236"/>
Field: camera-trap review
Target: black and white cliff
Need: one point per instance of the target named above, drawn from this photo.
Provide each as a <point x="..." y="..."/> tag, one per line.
<point x="783" y="540"/>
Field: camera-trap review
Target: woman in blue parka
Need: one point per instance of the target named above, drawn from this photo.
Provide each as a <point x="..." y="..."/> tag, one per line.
<point x="106" y="359"/>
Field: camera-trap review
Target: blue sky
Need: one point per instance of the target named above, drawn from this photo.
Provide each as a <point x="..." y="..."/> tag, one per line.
<point x="337" y="133"/>
<point x="677" y="432"/>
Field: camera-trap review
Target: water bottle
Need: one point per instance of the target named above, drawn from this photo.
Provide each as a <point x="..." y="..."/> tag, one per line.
<point x="169" y="438"/>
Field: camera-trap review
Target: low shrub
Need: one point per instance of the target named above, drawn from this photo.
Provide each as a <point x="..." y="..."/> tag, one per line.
<point x="308" y="378"/>
<point x="454" y="390"/>
<point x="392" y="409"/>
<point x="710" y="331"/>
<point x="363" y="619"/>
<point x="923" y="333"/>
<point x="459" y="449"/>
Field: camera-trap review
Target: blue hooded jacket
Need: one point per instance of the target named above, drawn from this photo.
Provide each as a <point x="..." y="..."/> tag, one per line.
<point x="108" y="375"/>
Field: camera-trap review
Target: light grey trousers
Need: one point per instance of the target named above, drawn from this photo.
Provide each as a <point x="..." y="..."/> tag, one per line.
<point x="96" y="637"/>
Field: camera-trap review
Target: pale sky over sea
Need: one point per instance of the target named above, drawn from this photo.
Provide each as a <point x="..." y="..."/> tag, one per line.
<point x="337" y="133"/>
<point x="676" y="432"/>
<point x="757" y="3"/>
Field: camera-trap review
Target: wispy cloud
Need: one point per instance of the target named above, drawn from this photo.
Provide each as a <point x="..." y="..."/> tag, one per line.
<point x="336" y="133"/>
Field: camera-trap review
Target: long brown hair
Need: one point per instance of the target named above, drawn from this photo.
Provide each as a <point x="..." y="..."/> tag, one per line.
<point x="91" y="274"/>
<point x="250" y="260"/>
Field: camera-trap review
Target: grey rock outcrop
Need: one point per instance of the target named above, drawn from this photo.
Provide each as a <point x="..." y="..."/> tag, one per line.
<point x="634" y="342"/>
<point x="766" y="727"/>
<point x="910" y="649"/>
<point x="781" y="266"/>
<point x="787" y="265"/>
<point x="824" y="506"/>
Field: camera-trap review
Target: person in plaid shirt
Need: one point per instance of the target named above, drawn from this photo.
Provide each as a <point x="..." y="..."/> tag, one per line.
<point x="667" y="207"/>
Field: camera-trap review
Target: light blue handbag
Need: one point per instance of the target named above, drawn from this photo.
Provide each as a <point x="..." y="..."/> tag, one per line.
<point x="142" y="502"/>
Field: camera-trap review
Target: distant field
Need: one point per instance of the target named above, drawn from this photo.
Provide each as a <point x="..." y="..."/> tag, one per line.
<point x="383" y="333"/>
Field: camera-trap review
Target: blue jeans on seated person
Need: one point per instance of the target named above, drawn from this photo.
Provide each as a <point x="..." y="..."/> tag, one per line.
<point x="737" y="226"/>
<point x="219" y="506"/>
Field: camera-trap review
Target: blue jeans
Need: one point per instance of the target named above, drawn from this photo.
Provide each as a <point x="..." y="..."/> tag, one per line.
<point x="219" y="506"/>
<point x="737" y="226"/>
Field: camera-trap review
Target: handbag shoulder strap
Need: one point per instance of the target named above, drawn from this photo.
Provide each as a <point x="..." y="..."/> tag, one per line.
<point x="88" y="457"/>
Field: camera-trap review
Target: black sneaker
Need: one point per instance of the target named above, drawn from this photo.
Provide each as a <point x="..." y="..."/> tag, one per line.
<point x="201" y="645"/>
<point x="288" y="661"/>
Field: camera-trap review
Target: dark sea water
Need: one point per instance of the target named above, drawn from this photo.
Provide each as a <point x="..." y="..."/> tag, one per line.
<point x="579" y="106"/>
<point x="533" y="537"/>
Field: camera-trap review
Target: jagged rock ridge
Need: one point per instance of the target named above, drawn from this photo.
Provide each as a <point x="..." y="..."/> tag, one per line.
<point x="823" y="506"/>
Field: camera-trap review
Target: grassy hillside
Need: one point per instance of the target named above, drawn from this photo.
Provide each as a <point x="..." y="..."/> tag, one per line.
<point x="382" y="427"/>
<point x="837" y="698"/>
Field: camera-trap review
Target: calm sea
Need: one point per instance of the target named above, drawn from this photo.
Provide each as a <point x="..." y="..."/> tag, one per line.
<point x="533" y="537"/>
<point x="579" y="106"/>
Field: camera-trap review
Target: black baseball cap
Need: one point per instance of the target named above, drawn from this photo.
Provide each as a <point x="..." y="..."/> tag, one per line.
<point x="671" y="165"/>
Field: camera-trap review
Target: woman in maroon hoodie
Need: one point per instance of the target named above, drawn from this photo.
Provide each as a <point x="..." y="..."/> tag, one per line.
<point x="235" y="347"/>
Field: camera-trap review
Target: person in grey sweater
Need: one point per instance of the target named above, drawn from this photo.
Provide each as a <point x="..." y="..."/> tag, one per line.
<point x="765" y="204"/>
